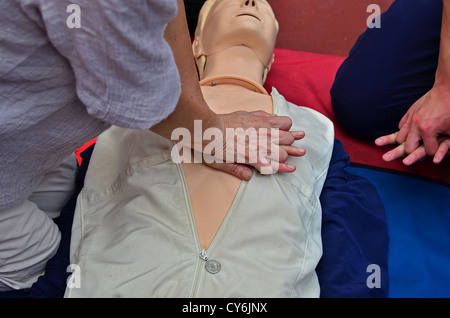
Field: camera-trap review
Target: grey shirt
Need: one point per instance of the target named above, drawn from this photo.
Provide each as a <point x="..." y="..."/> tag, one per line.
<point x="62" y="86"/>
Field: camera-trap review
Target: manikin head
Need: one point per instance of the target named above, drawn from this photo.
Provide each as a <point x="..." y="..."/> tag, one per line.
<point x="223" y="24"/>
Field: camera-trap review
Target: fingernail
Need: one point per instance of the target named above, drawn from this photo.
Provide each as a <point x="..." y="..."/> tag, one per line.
<point x="246" y="174"/>
<point x="387" y="156"/>
<point x="379" y="141"/>
<point x="298" y="134"/>
<point x="437" y="159"/>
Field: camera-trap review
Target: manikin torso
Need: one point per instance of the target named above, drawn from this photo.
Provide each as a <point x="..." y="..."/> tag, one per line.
<point x="211" y="203"/>
<point x="134" y="234"/>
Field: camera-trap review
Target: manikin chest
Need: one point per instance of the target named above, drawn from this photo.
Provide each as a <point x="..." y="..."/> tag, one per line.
<point x="212" y="191"/>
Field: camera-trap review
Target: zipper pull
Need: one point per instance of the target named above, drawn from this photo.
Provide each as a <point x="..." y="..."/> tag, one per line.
<point x="211" y="265"/>
<point x="203" y="255"/>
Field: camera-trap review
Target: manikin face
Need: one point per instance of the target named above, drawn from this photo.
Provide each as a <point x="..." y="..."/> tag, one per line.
<point x="231" y="23"/>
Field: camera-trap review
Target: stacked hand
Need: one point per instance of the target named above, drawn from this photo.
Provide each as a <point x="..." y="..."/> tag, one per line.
<point x="273" y="139"/>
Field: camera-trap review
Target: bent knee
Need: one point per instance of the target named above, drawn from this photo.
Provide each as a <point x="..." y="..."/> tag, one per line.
<point x="365" y="120"/>
<point x="28" y="239"/>
<point x="364" y="106"/>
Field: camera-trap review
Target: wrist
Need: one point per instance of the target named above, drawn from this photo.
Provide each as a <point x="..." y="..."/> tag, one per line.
<point x="442" y="79"/>
<point x="442" y="76"/>
<point x="442" y="84"/>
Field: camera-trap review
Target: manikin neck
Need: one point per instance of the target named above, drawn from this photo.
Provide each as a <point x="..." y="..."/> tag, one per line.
<point x="237" y="66"/>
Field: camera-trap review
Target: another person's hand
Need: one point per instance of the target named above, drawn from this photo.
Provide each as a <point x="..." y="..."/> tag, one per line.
<point x="426" y="121"/>
<point x="269" y="151"/>
<point x="417" y="154"/>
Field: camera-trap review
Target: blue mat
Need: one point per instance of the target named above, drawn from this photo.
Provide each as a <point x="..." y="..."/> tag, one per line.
<point x="418" y="218"/>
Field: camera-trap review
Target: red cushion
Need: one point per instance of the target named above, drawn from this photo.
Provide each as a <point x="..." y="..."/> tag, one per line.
<point x="305" y="79"/>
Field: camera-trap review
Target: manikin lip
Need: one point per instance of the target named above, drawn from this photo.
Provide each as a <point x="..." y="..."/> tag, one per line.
<point x="250" y="15"/>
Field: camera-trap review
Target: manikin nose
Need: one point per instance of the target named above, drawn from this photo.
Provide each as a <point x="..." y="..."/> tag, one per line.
<point x="249" y="3"/>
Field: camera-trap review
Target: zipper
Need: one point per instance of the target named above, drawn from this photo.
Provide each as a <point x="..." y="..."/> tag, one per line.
<point x="198" y="278"/>
<point x="198" y="273"/>
<point x="204" y="262"/>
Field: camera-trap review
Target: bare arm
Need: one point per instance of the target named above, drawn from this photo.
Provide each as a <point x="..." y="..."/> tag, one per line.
<point x="192" y="106"/>
<point x="428" y="120"/>
<point x="443" y="70"/>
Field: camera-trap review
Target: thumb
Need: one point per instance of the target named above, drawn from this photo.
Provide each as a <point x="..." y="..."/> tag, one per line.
<point x="240" y="171"/>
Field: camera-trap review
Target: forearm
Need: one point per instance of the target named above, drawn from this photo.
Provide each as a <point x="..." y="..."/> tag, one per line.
<point x="443" y="69"/>
<point x="191" y="105"/>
